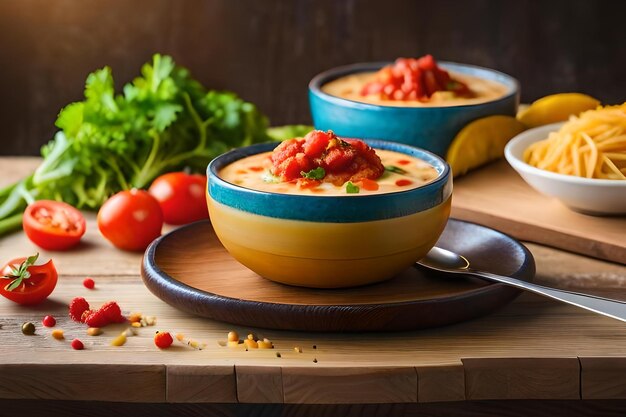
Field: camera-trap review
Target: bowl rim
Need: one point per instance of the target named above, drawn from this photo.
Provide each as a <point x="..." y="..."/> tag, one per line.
<point x="536" y="134"/>
<point x="346" y="208"/>
<point x="333" y="73"/>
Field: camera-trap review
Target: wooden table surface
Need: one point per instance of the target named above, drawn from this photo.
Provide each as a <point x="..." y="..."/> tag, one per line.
<point x="532" y="350"/>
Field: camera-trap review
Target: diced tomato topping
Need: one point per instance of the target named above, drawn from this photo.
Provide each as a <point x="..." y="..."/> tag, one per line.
<point x="340" y="160"/>
<point x="404" y="162"/>
<point x="413" y="79"/>
<point x="315" y="143"/>
<point x="286" y="149"/>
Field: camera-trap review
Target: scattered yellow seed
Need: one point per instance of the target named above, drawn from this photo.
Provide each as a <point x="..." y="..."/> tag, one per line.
<point x="58" y="334"/>
<point x="250" y="336"/>
<point x="150" y="320"/>
<point x="94" y="331"/>
<point x="135" y="324"/>
<point x="251" y="344"/>
<point x="297" y="349"/>
<point x="135" y="317"/>
<point x="233" y="343"/>
<point x="233" y="337"/>
<point x="119" y="340"/>
<point x="180" y="337"/>
<point x="265" y="344"/>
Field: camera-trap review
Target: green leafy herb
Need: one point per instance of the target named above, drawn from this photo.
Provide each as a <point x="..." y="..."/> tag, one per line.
<point x="393" y="168"/>
<point x="163" y="121"/>
<point x="314" y="174"/>
<point x="351" y="188"/>
<point x="19" y="274"/>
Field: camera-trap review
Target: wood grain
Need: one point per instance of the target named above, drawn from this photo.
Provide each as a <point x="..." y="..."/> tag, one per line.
<point x="521" y="378"/>
<point x="441" y="383"/>
<point x="201" y="384"/>
<point x="603" y="377"/>
<point x="350" y="385"/>
<point x="259" y="384"/>
<point x="87" y="381"/>
<point x="498" y="197"/>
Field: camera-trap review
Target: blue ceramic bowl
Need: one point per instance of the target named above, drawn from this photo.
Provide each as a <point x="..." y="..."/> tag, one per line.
<point x="431" y="128"/>
<point x="328" y="241"/>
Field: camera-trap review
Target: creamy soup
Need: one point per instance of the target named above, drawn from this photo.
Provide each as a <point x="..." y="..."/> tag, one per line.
<point x="402" y="172"/>
<point x="350" y="87"/>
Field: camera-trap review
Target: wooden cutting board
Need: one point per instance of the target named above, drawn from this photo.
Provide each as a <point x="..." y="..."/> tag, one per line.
<point x="496" y="196"/>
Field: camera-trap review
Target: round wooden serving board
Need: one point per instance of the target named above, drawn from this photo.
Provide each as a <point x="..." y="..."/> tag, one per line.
<point x="190" y="270"/>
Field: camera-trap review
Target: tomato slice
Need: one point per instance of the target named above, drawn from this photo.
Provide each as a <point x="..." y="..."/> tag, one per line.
<point x="32" y="290"/>
<point x="53" y="225"/>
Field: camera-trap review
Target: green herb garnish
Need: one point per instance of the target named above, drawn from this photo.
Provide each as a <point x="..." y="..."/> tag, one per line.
<point x="351" y="188"/>
<point x="314" y="174"/>
<point x="393" y="168"/>
<point x="19" y="274"/>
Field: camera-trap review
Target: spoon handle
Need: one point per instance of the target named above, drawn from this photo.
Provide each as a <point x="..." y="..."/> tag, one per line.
<point x="611" y="308"/>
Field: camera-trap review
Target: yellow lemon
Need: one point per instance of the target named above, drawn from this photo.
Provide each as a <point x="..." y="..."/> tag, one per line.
<point x="556" y="108"/>
<point x="480" y="142"/>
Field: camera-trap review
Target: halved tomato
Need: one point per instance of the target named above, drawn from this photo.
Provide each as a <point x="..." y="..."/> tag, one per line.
<point x="25" y="283"/>
<point x="53" y="225"/>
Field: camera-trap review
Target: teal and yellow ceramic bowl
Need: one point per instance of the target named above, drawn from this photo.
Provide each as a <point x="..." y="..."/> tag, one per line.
<point x="432" y="128"/>
<point x="328" y="241"/>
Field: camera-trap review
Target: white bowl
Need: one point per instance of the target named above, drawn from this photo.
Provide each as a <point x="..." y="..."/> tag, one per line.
<point x="585" y="195"/>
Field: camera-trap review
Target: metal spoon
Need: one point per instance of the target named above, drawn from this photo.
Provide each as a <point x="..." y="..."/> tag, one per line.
<point x="443" y="260"/>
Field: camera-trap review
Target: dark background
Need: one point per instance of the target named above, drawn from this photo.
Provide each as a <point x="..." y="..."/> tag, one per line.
<point x="268" y="50"/>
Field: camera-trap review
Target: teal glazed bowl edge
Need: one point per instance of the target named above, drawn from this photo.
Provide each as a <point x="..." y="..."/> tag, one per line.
<point x="430" y="128"/>
<point x="344" y="209"/>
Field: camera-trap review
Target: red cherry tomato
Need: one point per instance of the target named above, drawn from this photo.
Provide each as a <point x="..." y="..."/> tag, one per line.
<point x="31" y="288"/>
<point x="53" y="225"/>
<point x="130" y="220"/>
<point x="182" y="197"/>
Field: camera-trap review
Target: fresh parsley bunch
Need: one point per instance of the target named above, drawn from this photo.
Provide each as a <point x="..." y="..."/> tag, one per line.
<point x="163" y="121"/>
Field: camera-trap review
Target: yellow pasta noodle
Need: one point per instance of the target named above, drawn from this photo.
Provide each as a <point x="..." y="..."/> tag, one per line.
<point x="591" y="145"/>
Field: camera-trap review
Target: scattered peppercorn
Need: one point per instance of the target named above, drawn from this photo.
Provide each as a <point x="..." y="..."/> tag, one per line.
<point x="28" y="328"/>
<point x="314" y="360"/>
<point x="49" y="321"/>
<point x="278" y="355"/>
